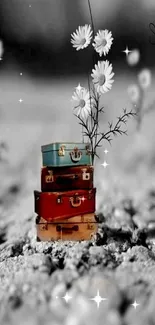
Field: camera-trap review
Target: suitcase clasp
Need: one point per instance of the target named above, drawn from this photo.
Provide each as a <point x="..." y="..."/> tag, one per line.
<point x="85" y="175"/>
<point x="88" y="150"/>
<point x="49" y="178"/>
<point x="75" y="201"/>
<point x="59" y="199"/>
<point x="61" y="151"/>
<point x="76" y="155"/>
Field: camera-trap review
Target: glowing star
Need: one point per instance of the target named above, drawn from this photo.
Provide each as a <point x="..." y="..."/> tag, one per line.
<point x="79" y="88"/>
<point x="106" y="151"/>
<point x="67" y="297"/>
<point x="127" y="51"/>
<point x="98" y="299"/>
<point x="105" y="164"/>
<point x="135" y="305"/>
<point x="21" y="74"/>
<point x="83" y="199"/>
<point x="20" y="100"/>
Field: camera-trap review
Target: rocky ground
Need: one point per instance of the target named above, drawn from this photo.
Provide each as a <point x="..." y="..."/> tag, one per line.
<point x="119" y="262"/>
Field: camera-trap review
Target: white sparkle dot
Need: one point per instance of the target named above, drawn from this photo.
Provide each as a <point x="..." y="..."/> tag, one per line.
<point x="98" y="299"/>
<point x="1" y="59"/>
<point x="127" y="51"/>
<point x="135" y="305"/>
<point x="106" y="151"/>
<point x="21" y="74"/>
<point x="79" y="87"/>
<point x="67" y="297"/>
<point x="20" y="100"/>
<point x="105" y="164"/>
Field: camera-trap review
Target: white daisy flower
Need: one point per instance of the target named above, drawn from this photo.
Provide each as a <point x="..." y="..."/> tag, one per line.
<point x="144" y="78"/>
<point x="82" y="97"/>
<point x="134" y="93"/>
<point x="133" y="57"/>
<point x="102" y="76"/>
<point x="1" y="49"/>
<point x="102" y="42"/>
<point x="82" y="37"/>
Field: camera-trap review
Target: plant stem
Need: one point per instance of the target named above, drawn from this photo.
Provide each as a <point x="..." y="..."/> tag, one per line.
<point x="91" y="16"/>
<point x="82" y="135"/>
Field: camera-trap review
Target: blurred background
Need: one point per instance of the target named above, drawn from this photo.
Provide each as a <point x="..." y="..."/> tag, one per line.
<point x="41" y="68"/>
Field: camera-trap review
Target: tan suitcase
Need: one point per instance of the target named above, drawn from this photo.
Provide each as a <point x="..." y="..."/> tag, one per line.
<point x="82" y="227"/>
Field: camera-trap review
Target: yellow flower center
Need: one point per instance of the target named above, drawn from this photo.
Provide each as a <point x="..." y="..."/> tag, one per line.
<point x="82" y="103"/>
<point x="101" y="79"/>
<point x="83" y="41"/>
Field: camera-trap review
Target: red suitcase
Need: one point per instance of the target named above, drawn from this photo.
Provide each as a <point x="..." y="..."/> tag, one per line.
<point x="66" y="178"/>
<point x="60" y="205"/>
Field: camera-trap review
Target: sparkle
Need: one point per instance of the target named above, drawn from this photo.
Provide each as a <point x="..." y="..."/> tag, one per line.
<point x="106" y="151"/>
<point x="21" y="74"/>
<point x="83" y="199"/>
<point x="105" y="164"/>
<point x="79" y="87"/>
<point x="98" y="299"/>
<point x="127" y="51"/>
<point x="1" y="59"/>
<point x="20" y="100"/>
<point x="67" y="297"/>
<point x="135" y="305"/>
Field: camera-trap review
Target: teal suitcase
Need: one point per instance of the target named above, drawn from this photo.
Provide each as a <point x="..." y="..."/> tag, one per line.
<point x="66" y="154"/>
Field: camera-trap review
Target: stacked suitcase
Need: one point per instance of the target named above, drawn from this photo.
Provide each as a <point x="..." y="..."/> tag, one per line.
<point x="65" y="206"/>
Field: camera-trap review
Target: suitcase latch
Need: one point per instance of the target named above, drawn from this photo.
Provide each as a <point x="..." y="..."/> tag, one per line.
<point x="61" y="151"/>
<point x="59" y="199"/>
<point x="49" y="178"/>
<point x="85" y="175"/>
<point x="76" y="155"/>
<point x="90" y="195"/>
<point x="88" y="150"/>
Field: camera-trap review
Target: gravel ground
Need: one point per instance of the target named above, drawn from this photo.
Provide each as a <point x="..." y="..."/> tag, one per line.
<point x="119" y="262"/>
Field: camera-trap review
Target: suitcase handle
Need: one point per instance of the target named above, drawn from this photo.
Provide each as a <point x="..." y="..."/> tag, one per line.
<point x="75" y="202"/>
<point x="68" y="176"/>
<point x="60" y="228"/>
<point x="76" y="155"/>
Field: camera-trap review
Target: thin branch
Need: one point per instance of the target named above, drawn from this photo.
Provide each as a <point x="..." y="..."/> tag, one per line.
<point x="116" y="129"/>
<point x="91" y="16"/>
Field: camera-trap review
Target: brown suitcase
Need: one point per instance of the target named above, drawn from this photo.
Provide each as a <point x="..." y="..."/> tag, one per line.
<point x="66" y="178"/>
<point x="82" y="227"/>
